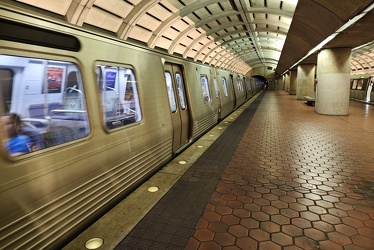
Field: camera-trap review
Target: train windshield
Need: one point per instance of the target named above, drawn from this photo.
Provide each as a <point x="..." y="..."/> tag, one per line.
<point x="43" y="100"/>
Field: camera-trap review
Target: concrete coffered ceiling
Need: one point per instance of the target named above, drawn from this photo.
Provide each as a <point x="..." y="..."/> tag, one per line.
<point x="238" y="35"/>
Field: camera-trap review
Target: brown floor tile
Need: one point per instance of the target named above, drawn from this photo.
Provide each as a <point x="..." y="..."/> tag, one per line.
<point x="339" y="238"/>
<point x="217" y="227"/>
<point x="270" y="226"/>
<point x="259" y="234"/>
<point x="247" y="243"/>
<point x="294" y="182"/>
<point x="281" y="239"/>
<point x="292" y="230"/>
<point x="347" y="230"/>
<point x="204" y="235"/>
<point x="224" y="239"/>
<point x="238" y="231"/>
<point x="315" y="234"/>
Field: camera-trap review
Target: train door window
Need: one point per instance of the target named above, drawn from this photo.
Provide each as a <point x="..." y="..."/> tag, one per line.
<point x="241" y="85"/>
<point x="46" y="101"/>
<point x="224" y="84"/>
<point x="238" y="85"/>
<point x="205" y="88"/>
<point x="119" y="96"/>
<point x="182" y="98"/>
<point x="215" y="83"/>
<point x="170" y="88"/>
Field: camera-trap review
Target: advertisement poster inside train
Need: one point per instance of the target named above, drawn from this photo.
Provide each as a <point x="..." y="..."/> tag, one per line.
<point x="110" y="79"/>
<point x="54" y="78"/>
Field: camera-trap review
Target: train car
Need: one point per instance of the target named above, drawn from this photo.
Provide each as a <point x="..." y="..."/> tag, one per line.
<point x="98" y="117"/>
<point x="361" y="88"/>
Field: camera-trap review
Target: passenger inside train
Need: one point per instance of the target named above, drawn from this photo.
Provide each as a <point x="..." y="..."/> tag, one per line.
<point x="14" y="142"/>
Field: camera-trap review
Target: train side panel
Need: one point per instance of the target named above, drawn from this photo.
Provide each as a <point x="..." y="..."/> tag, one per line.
<point x="53" y="192"/>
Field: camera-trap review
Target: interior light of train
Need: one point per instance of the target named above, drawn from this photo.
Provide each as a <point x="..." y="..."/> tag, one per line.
<point x="152" y="189"/>
<point x="199" y="146"/>
<point x="94" y="243"/>
<point x="182" y="162"/>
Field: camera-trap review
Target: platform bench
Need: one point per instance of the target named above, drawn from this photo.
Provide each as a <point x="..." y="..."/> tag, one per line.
<point x="311" y="99"/>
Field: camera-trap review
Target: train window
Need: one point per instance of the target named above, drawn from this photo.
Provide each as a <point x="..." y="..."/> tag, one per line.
<point x="182" y="98"/>
<point x="170" y="88"/>
<point x="360" y="83"/>
<point x="354" y="84"/>
<point x="119" y="96"/>
<point x="241" y="85"/>
<point x="205" y="87"/>
<point x="45" y="102"/>
<point x="224" y="84"/>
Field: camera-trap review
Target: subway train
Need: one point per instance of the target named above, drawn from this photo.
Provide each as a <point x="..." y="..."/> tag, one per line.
<point x="361" y="88"/>
<point x="98" y="116"/>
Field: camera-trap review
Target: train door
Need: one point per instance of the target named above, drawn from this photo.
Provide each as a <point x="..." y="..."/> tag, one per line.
<point x="369" y="89"/>
<point x="178" y="104"/>
<point x="218" y="96"/>
<point x="233" y="91"/>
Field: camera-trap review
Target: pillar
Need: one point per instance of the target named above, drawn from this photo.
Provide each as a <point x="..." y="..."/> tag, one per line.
<point x="333" y="75"/>
<point x="287" y="82"/>
<point x="305" y="80"/>
<point x="293" y="80"/>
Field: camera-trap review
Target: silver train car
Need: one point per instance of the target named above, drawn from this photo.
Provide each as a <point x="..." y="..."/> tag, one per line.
<point x="98" y="117"/>
<point x="361" y="88"/>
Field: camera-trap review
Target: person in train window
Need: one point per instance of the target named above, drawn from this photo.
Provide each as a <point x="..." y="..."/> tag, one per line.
<point x="15" y="143"/>
<point x="129" y="95"/>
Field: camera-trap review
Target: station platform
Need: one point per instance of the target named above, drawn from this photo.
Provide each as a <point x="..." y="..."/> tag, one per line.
<point x="272" y="175"/>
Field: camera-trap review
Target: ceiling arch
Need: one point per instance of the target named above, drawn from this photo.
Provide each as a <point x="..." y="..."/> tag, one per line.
<point x="237" y="35"/>
<point x="206" y="31"/>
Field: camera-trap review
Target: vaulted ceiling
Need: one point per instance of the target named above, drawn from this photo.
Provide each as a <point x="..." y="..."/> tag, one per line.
<point x="238" y="35"/>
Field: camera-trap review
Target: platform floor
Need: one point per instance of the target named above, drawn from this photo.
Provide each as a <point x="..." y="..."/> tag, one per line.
<point x="279" y="176"/>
